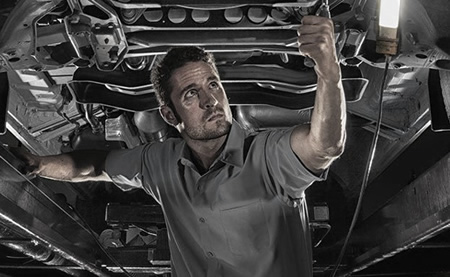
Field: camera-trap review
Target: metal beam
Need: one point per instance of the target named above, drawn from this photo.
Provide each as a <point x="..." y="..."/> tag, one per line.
<point x="415" y="214"/>
<point x="30" y="210"/>
<point x="43" y="267"/>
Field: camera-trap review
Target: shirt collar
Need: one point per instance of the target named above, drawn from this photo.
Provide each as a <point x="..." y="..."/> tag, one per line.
<point x="232" y="153"/>
<point x="185" y="154"/>
<point x="234" y="146"/>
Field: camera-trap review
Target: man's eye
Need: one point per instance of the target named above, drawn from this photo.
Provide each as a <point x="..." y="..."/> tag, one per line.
<point x="190" y="93"/>
<point x="214" y="85"/>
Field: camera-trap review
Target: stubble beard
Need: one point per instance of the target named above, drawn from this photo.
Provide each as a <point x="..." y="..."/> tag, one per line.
<point x="222" y="128"/>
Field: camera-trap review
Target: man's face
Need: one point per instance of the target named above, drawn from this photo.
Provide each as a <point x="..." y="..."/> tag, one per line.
<point x="201" y="106"/>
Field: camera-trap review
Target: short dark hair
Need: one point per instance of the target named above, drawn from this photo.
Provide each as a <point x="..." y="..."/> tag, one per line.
<point x="175" y="58"/>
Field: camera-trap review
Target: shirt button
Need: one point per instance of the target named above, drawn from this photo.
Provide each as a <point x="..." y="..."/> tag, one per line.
<point x="210" y="254"/>
<point x="202" y="220"/>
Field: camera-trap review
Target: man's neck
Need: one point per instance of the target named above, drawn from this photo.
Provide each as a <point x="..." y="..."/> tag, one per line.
<point x="204" y="153"/>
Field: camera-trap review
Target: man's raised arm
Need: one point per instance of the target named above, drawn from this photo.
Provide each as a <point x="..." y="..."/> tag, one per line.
<point x="77" y="166"/>
<point x="320" y="143"/>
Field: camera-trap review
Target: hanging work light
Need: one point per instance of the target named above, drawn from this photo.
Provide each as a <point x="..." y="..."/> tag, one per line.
<point x="387" y="41"/>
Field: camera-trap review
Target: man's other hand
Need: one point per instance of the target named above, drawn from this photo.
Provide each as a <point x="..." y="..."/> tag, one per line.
<point x="29" y="163"/>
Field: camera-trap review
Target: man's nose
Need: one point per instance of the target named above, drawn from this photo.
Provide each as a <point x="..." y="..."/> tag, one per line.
<point x="208" y="100"/>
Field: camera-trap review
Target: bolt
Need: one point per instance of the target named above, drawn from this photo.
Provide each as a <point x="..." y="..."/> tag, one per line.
<point x="97" y="26"/>
<point x="74" y="19"/>
<point x="111" y="25"/>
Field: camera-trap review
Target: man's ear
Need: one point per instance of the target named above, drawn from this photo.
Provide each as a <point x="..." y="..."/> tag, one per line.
<point x="168" y="115"/>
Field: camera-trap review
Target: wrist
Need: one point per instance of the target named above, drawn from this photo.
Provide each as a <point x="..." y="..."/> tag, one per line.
<point x="329" y="73"/>
<point x="34" y="165"/>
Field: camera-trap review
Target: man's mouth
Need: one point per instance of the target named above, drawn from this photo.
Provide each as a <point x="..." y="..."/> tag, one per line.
<point x="215" y="117"/>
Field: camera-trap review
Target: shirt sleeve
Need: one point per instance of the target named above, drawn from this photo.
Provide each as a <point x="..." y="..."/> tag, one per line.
<point x="289" y="174"/>
<point x="124" y="167"/>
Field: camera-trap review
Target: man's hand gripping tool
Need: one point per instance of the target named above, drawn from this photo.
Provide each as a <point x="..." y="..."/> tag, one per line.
<point x="324" y="11"/>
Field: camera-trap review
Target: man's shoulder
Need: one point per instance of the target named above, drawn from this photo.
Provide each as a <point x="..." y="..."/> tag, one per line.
<point x="174" y="143"/>
<point x="270" y="132"/>
<point x="168" y="150"/>
<point x="270" y="139"/>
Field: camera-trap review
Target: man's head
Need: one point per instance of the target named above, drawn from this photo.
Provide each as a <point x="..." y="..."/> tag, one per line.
<point x="174" y="59"/>
<point x="191" y="96"/>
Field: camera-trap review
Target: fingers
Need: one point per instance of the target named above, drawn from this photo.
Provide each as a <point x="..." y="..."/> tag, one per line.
<point x="316" y="38"/>
<point x="316" y="20"/>
<point x="28" y="165"/>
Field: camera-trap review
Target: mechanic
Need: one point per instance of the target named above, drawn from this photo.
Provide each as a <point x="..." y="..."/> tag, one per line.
<point x="227" y="195"/>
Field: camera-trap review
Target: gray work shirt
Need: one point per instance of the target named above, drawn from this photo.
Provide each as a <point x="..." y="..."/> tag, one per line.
<point x="237" y="219"/>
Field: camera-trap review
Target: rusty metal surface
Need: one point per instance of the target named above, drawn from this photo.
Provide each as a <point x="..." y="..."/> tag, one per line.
<point x="416" y="214"/>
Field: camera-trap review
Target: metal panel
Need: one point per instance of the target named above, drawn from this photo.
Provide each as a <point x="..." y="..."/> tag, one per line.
<point x="4" y="91"/>
<point x="417" y="213"/>
<point x="30" y="209"/>
<point x="134" y="214"/>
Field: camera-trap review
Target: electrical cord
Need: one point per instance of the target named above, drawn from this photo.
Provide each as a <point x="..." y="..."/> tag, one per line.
<point x="86" y="226"/>
<point x="367" y="170"/>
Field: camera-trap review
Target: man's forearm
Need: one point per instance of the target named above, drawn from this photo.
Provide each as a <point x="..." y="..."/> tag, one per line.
<point x="76" y="166"/>
<point x="327" y="132"/>
<point x="319" y="144"/>
<point x="328" y="119"/>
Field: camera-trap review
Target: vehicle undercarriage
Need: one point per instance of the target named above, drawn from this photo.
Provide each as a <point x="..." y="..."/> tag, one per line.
<point x="75" y="74"/>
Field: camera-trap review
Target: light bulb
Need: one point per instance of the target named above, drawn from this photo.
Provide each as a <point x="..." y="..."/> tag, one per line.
<point x="389" y="13"/>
